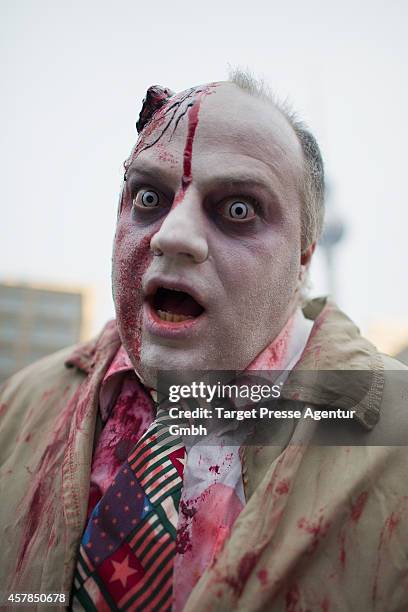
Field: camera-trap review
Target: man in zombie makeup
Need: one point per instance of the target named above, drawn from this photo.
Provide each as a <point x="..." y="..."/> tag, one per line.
<point x="220" y="211"/>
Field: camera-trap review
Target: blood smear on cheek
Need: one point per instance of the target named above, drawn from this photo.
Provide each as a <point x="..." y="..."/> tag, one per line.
<point x="131" y="261"/>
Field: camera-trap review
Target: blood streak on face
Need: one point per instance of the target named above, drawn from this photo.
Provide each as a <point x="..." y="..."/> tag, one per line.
<point x="188" y="148"/>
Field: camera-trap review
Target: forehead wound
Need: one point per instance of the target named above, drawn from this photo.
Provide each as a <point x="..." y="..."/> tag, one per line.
<point x="156" y="97"/>
<point x="161" y="109"/>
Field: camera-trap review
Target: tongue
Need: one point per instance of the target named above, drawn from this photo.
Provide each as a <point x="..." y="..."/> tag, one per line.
<point x="177" y="302"/>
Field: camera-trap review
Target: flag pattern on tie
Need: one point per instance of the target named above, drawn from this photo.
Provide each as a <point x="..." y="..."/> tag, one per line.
<point x="125" y="561"/>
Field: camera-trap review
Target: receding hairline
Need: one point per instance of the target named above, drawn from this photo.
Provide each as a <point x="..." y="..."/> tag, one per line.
<point x="258" y="89"/>
<point x="285" y="129"/>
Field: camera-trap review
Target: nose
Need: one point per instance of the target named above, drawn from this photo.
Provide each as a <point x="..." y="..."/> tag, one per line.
<point x="182" y="232"/>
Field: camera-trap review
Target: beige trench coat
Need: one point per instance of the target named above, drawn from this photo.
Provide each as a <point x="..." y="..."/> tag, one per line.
<point x="324" y="527"/>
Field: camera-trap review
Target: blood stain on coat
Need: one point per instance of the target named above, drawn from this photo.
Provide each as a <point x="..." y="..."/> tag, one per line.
<point x="325" y="605"/>
<point x="282" y="488"/>
<point x="40" y="494"/>
<point x="387" y="532"/>
<point x="46" y="395"/>
<point x="52" y="540"/>
<point x="392" y="522"/>
<point x="317" y="529"/>
<point x="358" y="507"/>
<point x="342" y="552"/>
<point x="263" y="576"/>
<point x="33" y="520"/>
<point x="215" y="469"/>
<point x="245" y="568"/>
<point x="292" y="599"/>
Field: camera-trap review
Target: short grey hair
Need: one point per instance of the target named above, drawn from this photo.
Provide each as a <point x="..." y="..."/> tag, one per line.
<point x="312" y="182"/>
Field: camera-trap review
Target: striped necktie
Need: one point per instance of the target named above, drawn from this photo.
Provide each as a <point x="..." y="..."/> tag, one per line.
<point x="126" y="556"/>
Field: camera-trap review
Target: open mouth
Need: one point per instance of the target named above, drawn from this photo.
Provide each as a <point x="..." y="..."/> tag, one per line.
<point x="175" y="306"/>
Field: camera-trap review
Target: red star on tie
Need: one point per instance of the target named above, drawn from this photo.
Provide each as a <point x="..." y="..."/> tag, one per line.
<point x="122" y="571"/>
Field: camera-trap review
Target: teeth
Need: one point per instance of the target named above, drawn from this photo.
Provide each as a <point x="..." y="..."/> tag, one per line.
<point x="174" y="318"/>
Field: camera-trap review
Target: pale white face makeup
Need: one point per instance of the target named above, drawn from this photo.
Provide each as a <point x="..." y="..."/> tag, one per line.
<point x="228" y="235"/>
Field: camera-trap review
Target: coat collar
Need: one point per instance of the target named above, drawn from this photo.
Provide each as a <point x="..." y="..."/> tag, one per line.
<point x="85" y="356"/>
<point x="348" y="369"/>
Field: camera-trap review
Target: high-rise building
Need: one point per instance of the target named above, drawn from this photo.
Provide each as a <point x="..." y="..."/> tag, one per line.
<point x="36" y="321"/>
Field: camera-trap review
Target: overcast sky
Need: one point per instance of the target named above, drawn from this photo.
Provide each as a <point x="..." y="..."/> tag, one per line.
<point x="73" y="77"/>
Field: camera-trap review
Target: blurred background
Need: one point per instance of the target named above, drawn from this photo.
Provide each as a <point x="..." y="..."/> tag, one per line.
<point x="73" y="77"/>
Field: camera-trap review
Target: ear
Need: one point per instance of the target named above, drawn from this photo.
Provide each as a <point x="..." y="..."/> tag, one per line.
<point x="306" y="256"/>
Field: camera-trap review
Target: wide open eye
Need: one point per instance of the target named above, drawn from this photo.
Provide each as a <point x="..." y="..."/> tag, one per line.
<point x="238" y="210"/>
<point x="146" y="198"/>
